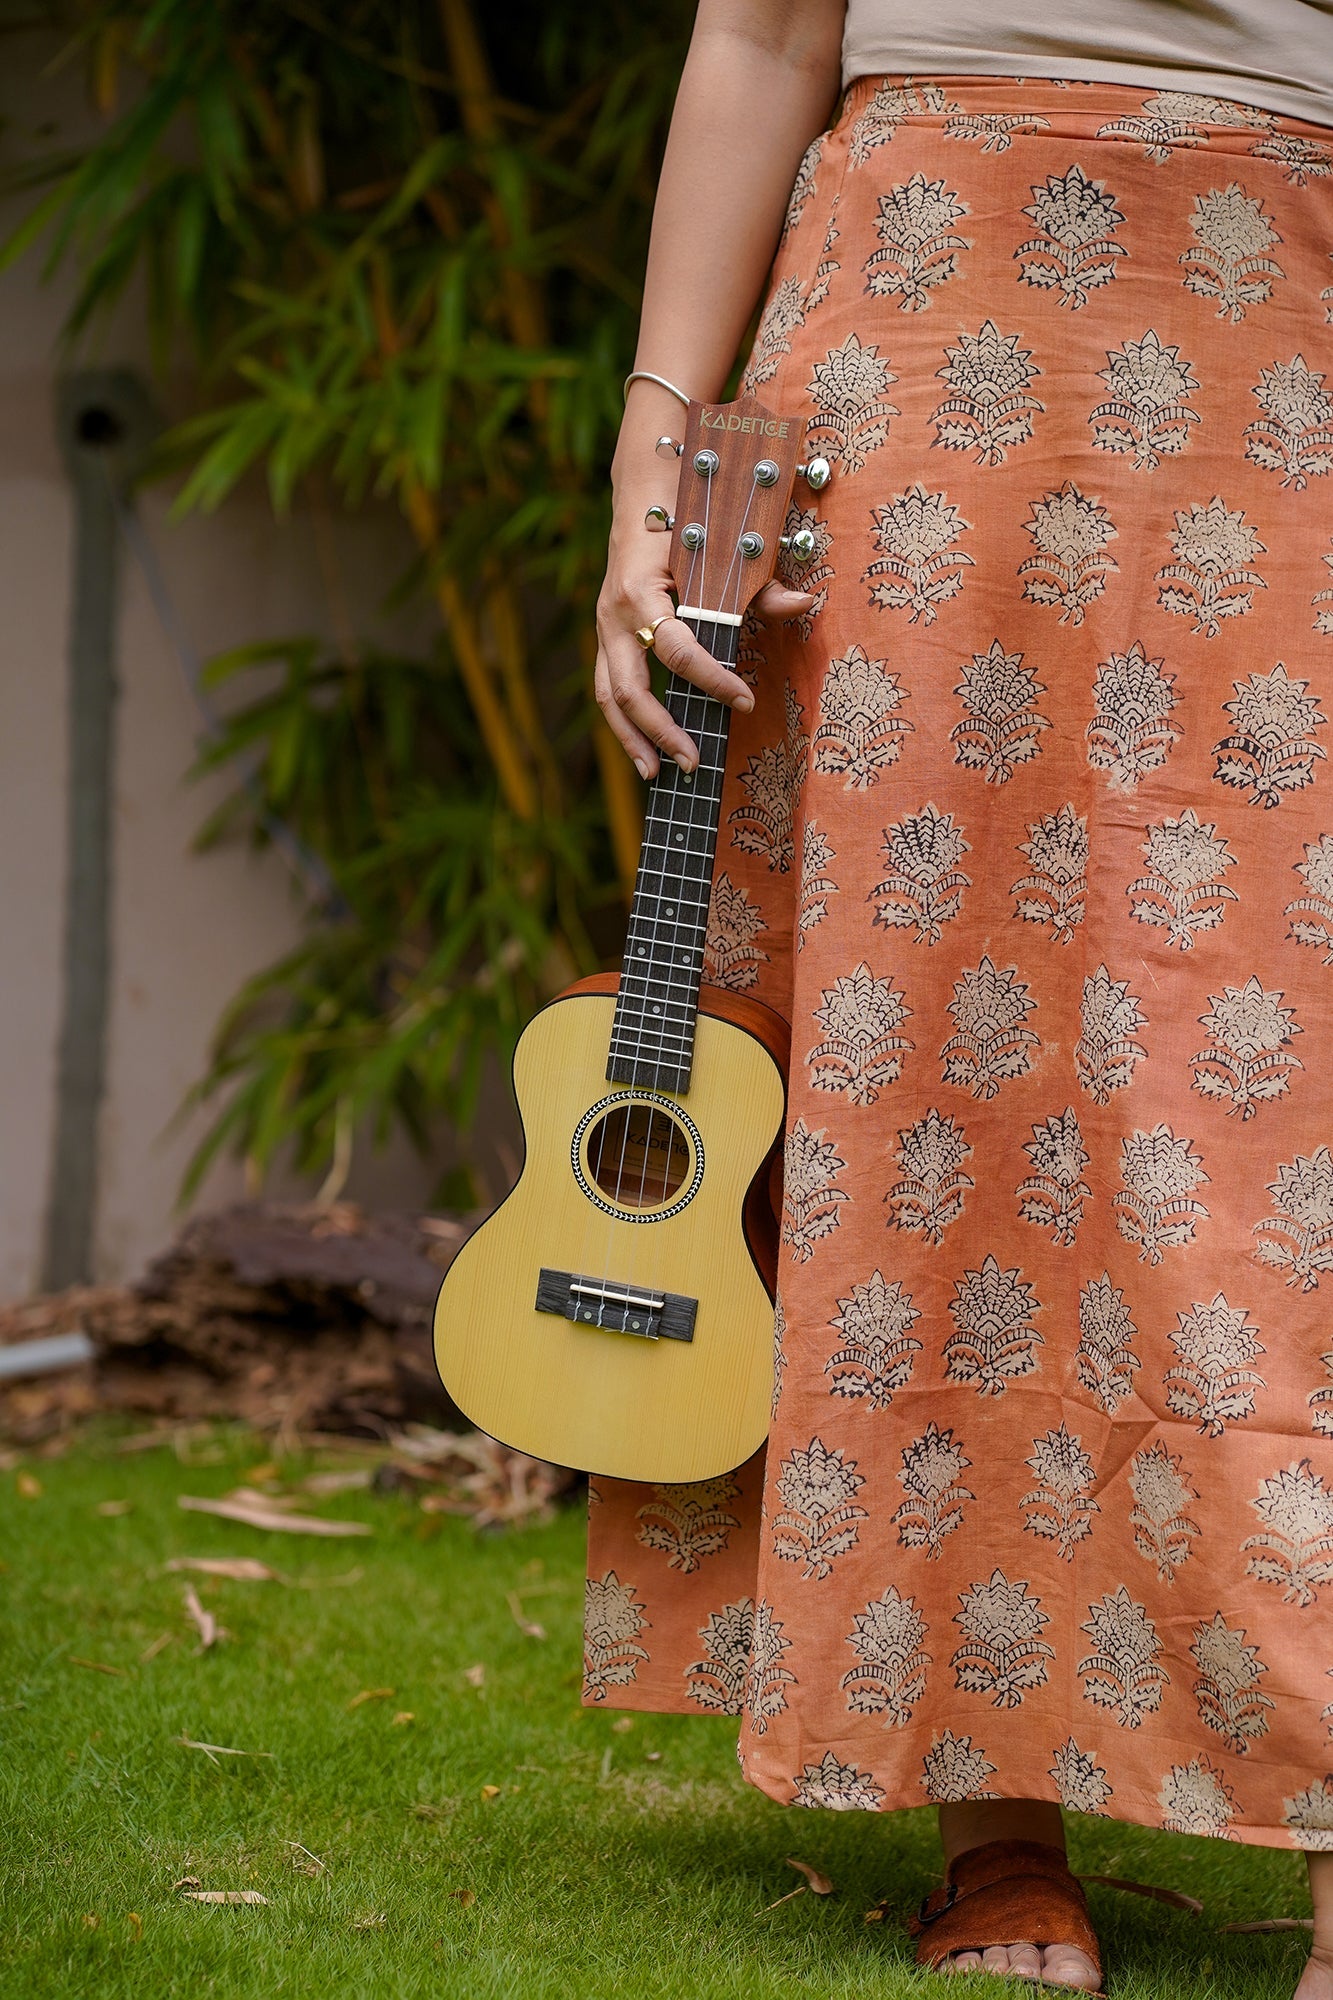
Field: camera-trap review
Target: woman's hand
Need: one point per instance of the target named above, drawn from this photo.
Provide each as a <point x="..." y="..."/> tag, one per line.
<point x="637" y="591"/>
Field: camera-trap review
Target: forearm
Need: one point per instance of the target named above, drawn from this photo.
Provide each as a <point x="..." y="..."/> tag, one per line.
<point x="759" y="83"/>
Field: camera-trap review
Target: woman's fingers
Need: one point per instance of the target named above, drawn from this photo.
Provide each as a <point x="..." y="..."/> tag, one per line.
<point x="631" y="740"/>
<point x="778" y="602"/>
<point x="677" y="648"/>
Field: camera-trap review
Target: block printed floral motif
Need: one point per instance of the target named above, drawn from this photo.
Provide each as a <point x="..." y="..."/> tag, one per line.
<point x="811" y="1203"/>
<point x="1070" y="568"/>
<point x="1060" y="1507"/>
<point x="1074" y="251"/>
<point x="1178" y="118"/>
<point x="860" y="733"/>
<point x="993" y="1341"/>
<point x="1147" y="409"/>
<point x="878" y="1350"/>
<point x="1155" y="1205"/>
<point x="1195" y="1798"/>
<point x="1228" y="1694"/>
<point x="1230" y="261"/>
<point x="1080" y="1779"/>
<point x="1053" y="891"/>
<point x="613" y="1618"/>
<point x="770" y="781"/>
<point x="1321" y="1406"/>
<point x="1129" y="734"/>
<point x="993" y="131"/>
<point x="891" y="105"/>
<point x="781" y="1358"/>
<point x="851" y="409"/>
<point x="1212" y="1383"/>
<point x="731" y="956"/>
<point x="836" y="1787"/>
<point x="1211" y="579"/>
<point x="803" y="187"/>
<point x="991" y="1044"/>
<point x="768" y="1680"/>
<point x="1106" y="1360"/>
<point x="920" y="566"/>
<point x="1299" y="1238"/>
<point x="1295" y="1543"/>
<point x="1312" y="914"/>
<point x="861" y="1052"/>
<point x="1003" y="1654"/>
<point x="890" y="1677"/>
<point x="717" y="1681"/>
<point x="1324" y="619"/>
<point x="816" y="1492"/>
<point x="1183" y="892"/>
<point x="990" y="408"/>
<point x="919" y="242"/>
<point x="955" y="1768"/>
<point x="1106" y="1052"/>
<point x="924" y="888"/>
<point x="931" y="1477"/>
<point x="1310" y="1816"/>
<point x="1294" y="436"/>
<point x="1247" y="1063"/>
<point x="1121" y="1673"/>
<point x="1002" y="723"/>
<point x="688" y="1522"/>
<point x="1164" y="1531"/>
<point x="1270" y="748"/>
<point x="789" y="306"/>
<point x="1305" y="160"/>
<point x="1053" y="1194"/>
<point x="817" y="885"/>
<point x="933" y="1187"/>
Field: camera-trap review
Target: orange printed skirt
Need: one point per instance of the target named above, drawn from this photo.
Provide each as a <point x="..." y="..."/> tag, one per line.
<point x="1030" y="836"/>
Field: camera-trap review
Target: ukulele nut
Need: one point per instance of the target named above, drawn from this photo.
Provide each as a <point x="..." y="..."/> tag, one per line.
<point x="658" y="520"/>
<point x="767" y="472"/>
<point x="705" y="463"/>
<point x="816" y="473"/>
<point x="692" y="535"/>
<point x="751" y="544"/>
<point x="801" y="545"/>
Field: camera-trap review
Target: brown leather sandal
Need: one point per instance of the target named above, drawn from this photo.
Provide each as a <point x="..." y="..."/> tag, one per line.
<point x="1004" y="1892"/>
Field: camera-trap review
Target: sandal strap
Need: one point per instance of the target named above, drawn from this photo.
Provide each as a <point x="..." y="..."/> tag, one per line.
<point x="1004" y="1892"/>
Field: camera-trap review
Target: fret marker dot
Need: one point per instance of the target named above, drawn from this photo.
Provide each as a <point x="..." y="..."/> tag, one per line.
<point x="657" y="1010"/>
<point x="671" y="913"/>
<point x="640" y="952"/>
<point x="685" y="958"/>
<point x="680" y="836"/>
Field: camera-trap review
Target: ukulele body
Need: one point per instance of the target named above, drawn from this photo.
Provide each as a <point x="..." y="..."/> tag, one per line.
<point x="606" y="1220"/>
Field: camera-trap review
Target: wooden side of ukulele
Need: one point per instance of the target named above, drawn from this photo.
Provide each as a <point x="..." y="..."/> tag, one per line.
<point x="608" y="1402"/>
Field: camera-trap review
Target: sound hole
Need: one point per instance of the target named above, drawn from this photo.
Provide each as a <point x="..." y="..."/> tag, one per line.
<point x="638" y="1156"/>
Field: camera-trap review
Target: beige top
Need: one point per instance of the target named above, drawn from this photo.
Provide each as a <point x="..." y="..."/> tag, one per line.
<point x="1273" y="53"/>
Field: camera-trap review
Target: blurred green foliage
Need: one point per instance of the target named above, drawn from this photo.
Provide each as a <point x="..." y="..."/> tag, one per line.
<point x="400" y="240"/>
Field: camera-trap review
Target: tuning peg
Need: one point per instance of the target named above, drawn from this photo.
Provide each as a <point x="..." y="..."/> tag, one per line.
<point x="668" y="447"/>
<point x="801" y="545"/>
<point x="658" y="520"/>
<point x="816" y="474"/>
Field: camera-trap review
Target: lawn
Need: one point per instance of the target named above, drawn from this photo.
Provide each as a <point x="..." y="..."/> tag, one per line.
<point x="500" y="1842"/>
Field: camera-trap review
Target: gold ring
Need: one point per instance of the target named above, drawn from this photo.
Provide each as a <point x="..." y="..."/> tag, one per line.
<point x="647" y="633"/>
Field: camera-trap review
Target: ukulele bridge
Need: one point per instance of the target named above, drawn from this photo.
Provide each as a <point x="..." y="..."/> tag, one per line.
<point x="618" y="1308"/>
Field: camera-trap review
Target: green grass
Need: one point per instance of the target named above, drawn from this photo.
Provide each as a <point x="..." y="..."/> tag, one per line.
<point x="631" y="1862"/>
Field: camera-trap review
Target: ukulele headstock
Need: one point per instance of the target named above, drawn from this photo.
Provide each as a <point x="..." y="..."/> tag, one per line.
<point x="738" y="464"/>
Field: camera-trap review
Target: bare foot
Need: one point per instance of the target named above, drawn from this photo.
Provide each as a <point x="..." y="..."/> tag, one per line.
<point x="1317" y="1978"/>
<point x="976" y="1822"/>
<point x="1058" y="1965"/>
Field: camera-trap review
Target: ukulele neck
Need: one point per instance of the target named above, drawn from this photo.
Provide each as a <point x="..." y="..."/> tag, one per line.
<point x="652" y="1036"/>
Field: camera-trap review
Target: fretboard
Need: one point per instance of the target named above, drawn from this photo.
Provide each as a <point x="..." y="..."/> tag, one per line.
<point x="652" y="1037"/>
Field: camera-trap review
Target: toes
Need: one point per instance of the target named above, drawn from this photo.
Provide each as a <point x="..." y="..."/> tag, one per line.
<point x="1025" y="1961"/>
<point x="1062" y="1965"/>
<point x="962" y="1961"/>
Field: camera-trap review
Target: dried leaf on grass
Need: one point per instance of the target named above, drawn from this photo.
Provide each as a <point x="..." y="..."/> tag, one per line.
<point x="224" y="1896"/>
<point x="312" y="1865"/>
<point x="240" y="1569"/>
<point x="404" y="1715"/>
<point x="877" y="1913"/>
<point x="156" y="1646"/>
<point x="370" y="1920"/>
<point x="818" y="1883"/>
<point x="215" y="1750"/>
<point x="187" y="1882"/>
<point x="27" y="1487"/>
<point x="256" y="1511"/>
<point x="463" y="1896"/>
<point x="322" y="1484"/>
<point x="528" y="1626"/>
<point x="1175" y="1899"/>
<point x="205" y="1624"/>
<point x="98" y="1666"/>
<point x="111" y="1510"/>
<point x="372" y="1694"/>
<point x="1270" y="1924"/>
<point x="475" y="1676"/>
<point x="490" y="1791"/>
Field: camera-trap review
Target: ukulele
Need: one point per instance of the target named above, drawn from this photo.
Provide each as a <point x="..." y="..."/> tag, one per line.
<point x="615" y="1312"/>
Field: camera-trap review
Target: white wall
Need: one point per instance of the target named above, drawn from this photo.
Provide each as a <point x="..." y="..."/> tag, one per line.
<point x="186" y="928"/>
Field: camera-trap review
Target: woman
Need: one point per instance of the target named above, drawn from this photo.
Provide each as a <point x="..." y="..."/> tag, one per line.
<point x="1029" y="832"/>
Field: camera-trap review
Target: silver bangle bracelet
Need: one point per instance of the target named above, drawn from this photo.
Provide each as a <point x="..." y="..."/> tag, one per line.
<point x="646" y="375"/>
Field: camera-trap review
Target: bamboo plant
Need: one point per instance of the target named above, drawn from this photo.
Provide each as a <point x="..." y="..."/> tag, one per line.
<point x="400" y="241"/>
